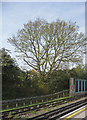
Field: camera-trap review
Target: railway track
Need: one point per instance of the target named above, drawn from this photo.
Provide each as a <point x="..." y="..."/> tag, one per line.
<point x="57" y="113"/>
<point x="54" y="103"/>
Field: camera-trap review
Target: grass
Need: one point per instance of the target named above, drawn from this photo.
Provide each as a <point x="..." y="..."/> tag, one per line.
<point x="33" y="112"/>
<point x="16" y="117"/>
<point x="9" y="115"/>
<point x="34" y="104"/>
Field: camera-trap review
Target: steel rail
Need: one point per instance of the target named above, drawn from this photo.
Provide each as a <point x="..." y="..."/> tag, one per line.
<point x="34" y="107"/>
<point x="59" y="112"/>
<point x="37" y="107"/>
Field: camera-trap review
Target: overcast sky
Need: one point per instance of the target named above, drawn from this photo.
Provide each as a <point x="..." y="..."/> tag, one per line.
<point x="15" y="14"/>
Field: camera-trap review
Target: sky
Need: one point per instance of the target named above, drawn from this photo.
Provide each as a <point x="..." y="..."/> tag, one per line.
<point x="15" y="14"/>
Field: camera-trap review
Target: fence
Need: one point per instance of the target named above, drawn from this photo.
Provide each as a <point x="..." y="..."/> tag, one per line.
<point x="7" y="104"/>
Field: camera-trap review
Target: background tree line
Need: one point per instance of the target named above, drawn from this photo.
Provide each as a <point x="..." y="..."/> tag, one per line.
<point x="17" y="83"/>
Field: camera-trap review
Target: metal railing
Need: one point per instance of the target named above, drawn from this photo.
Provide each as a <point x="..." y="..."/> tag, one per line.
<point x="7" y="104"/>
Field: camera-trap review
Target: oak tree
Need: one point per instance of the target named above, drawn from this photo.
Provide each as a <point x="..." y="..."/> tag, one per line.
<point x="46" y="46"/>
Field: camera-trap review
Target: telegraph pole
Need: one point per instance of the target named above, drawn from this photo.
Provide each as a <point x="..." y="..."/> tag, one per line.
<point x="86" y="36"/>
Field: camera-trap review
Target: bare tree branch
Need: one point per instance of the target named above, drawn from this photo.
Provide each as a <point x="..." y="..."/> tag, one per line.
<point x="45" y="46"/>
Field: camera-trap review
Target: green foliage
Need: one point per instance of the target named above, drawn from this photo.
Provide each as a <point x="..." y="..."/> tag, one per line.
<point x="33" y="85"/>
<point x="78" y="72"/>
<point x="58" y="81"/>
<point x="16" y="117"/>
<point x="6" y="59"/>
<point x="10" y="76"/>
<point x="18" y="84"/>
<point x="48" y="48"/>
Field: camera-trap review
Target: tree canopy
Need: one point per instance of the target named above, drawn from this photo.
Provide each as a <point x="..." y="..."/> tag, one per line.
<point x="10" y="75"/>
<point x="47" y="46"/>
<point x="18" y="84"/>
<point x="6" y="59"/>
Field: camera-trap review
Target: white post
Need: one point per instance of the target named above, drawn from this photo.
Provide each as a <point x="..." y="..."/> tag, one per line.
<point x="71" y="87"/>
